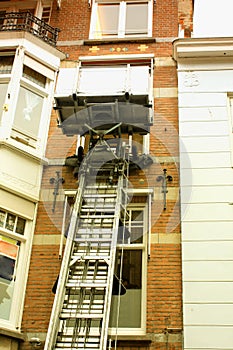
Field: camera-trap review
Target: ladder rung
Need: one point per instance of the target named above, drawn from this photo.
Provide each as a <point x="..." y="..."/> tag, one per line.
<point x="93" y="239"/>
<point x="101" y="187"/>
<point x="96" y="257"/>
<point x="99" y="195"/>
<point x="99" y="209"/>
<point x="94" y="230"/>
<point x="85" y="285"/>
<point x="97" y="216"/>
<point x="85" y="316"/>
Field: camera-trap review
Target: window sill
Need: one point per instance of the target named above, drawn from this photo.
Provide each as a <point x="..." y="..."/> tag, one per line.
<point x="144" y="40"/>
<point x="12" y="334"/>
<point x="132" y="339"/>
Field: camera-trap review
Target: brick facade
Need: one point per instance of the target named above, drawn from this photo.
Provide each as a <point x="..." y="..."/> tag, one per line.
<point x="164" y="294"/>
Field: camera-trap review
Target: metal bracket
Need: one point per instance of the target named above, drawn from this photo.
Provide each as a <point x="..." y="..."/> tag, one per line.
<point x="56" y="181"/>
<point x="164" y="178"/>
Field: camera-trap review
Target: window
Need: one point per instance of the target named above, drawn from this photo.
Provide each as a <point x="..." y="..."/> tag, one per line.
<point x="6" y="63"/>
<point x="12" y="222"/>
<point x="32" y="95"/>
<point x="28" y="112"/>
<point x="12" y="240"/>
<point x="131" y="260"/>
<point x="121" y="19"/>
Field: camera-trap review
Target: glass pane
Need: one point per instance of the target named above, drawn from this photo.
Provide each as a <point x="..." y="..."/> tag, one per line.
<point x="6" y="63"/>
<point x="3" y="89"/>
<point x="136" y="227"/>
<point x="2" y="218"/>
<point x="28" y="112"/>
<point x="107" y="19"/>
<point x="34" y="76"/>
<point x="136" y="18"/>
<point x="20" y="226"/>
<point x="10" y="222"/>
<point x="9" y="249"/>
<point x="130" y="302"/>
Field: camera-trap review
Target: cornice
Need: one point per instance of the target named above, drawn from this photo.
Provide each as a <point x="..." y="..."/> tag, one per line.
<point x="202" y="48"/>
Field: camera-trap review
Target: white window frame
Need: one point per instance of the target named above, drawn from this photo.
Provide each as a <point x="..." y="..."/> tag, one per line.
<point x="32" y="140"/>
<point x="122" y="17"/>
<point x="230" y="106"/>
<point x="143" y="247"/>
<point x="16" y="80"/>
<point x="22" y="262"/>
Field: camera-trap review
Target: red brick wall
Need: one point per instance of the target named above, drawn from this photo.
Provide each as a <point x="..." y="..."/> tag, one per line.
<point x="164" y="307"/>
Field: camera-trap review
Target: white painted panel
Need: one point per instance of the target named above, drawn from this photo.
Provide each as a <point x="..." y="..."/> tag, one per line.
<point x="208" y="314"/>
<point x="207" y="194"/>
<point x="208" y="271"/>
<point x="200" y="337"/>
<point x="205" y="144"/>
<point x="209" y="231"/>
<point x="207" y="212"/>
<point x="215" y="176"/>
<point x="207" y="251"/>
<point x="114" y="80"/>
<point x="205" y="160"/>
<point x="202" y="99"/>
<point x="208" y="292"/>
<point x="66" y="81"/>
<point x="214" y="128"/>
<point x="203" y="113"/>
<point x="206" y="81"/>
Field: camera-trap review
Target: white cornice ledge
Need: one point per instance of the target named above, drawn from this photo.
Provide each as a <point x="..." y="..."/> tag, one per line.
<point x="202" y="47"/>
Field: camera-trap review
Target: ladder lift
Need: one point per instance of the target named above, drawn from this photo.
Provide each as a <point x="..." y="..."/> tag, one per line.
<point x="80" y="314"/>
<point x="81" y="309"/>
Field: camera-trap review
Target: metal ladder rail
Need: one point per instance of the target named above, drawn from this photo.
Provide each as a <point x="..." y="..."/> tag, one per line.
<point x="107" y="300"/>
<point x="82" y="340"/>
<point x="103" y="344"/>
<point x="59" y="296"/>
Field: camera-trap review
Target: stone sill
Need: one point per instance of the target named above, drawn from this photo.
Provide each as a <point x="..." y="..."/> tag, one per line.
<point x="12" y="334"/>
<point x="91" y="42"/>
<point x="131" y="339"/>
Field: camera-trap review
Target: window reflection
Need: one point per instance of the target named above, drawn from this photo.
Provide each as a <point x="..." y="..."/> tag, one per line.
<point x="9" y="249"/>
<point x="28" y="112"/>
<point x="3" y="90"/>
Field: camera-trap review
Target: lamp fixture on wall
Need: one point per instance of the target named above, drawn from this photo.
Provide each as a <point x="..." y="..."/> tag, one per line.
<point x="56" y="181"/>
<point x="164" y="178"/>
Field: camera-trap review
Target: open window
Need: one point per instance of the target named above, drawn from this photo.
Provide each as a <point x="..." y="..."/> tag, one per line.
<point x="26" y="87"/>
<point x="128" y="311"/>
<point x="121" y="19"/>
<point x="15" y="244"/>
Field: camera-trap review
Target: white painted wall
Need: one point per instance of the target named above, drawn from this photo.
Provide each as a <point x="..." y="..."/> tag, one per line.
<point x="213" y="18"/>
<point x="206" y="193"/>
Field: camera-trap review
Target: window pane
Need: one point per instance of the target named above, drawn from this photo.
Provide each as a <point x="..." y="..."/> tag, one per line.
<point x="6" y="63"/>
<point x="20" y="226"/>
<point x="3" y="89"/>
<point x="130" y="302"/>
<point x="28" y="112"/>
<point x="10" y="222"/>
<point x="107" y="19"/>
<point x="9" y="249"/>
<point x="136" y="18"/>
<point x="34" y="76"/>
<point x="2" y="218"/>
